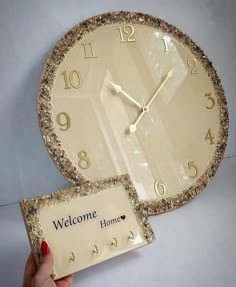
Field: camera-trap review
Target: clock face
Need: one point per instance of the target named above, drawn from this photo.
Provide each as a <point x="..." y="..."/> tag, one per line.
<point x="128" y="93"/>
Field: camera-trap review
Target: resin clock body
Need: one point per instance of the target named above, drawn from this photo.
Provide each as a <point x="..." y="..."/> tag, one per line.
<point x="128" y="93"/>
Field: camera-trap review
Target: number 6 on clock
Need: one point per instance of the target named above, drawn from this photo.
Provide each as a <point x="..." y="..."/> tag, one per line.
<point x="160" y="188"/>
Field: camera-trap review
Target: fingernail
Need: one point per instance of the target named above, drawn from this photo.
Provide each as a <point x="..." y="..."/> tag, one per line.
<point x="44" y="248"/>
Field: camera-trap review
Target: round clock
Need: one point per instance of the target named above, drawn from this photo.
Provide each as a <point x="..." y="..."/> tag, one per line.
<point x="126" y="92"/>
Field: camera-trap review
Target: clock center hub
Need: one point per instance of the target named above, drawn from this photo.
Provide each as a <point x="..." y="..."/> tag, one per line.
<point x="145" y="109"/>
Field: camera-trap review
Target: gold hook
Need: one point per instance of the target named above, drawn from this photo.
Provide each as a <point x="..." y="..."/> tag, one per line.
<point x="114" y="242"/>
<point x="131" y="236"/>
<point x="72" y="258"/>
<point x="95" y="249"/>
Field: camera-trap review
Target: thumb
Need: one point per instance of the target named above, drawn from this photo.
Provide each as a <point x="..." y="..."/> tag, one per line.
<point x="46" y="266"/>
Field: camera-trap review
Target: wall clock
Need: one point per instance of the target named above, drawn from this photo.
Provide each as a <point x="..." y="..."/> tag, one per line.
<point x="126" y="92"/>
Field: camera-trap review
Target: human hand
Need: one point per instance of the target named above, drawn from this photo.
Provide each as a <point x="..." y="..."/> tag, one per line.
<point x="42" y="276"/>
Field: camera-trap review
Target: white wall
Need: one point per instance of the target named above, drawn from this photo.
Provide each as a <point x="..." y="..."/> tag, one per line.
<point x="30" y="29"/>
<point x="196" y="244"/>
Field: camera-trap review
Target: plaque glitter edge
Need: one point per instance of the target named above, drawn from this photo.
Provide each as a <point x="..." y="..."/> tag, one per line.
<point x="30" y="208"/>
<point x="52" y="142"/>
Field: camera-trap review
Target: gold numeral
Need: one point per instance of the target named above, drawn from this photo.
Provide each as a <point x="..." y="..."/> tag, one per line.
<point x="212" y="101"/>
<point x="192" y="165"/>
<point x="74" y="80"/>
<point x="129" y="31"/>
<point x="89" y="50"/>
<point x="192" y="63"/>
<point x="210" y="137"/>
<point x="160" y="188"/>
<point x="166" y="44"/>
<point x="63" y="121"/>
<point x="84" y="161"/>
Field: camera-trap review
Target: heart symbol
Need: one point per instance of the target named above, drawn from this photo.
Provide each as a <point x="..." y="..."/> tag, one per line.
<point x="123" y="217"/>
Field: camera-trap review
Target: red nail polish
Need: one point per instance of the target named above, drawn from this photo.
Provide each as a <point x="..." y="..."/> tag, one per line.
<point x="44" y="248"/>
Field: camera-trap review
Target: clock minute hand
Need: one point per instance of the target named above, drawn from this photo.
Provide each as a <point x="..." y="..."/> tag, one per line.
<point x="118" y="89"/>
<point x="167" y="77"/>
<point x="145" y="109"/>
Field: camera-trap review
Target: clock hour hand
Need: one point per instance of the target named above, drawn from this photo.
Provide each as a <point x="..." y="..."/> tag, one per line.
<point x="118" y="89"/>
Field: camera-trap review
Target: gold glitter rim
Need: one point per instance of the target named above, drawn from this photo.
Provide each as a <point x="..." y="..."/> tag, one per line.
<point x="30" y="208"/>
<point x="52" y="142"/>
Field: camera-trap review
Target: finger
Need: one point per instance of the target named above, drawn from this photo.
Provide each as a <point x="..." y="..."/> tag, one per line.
<point x="46" y="266"/>
<point x="30" y="270"/>
<point x="68" y="279"/>
<point x="30" y="267"/>
<point x="65" y="282"/>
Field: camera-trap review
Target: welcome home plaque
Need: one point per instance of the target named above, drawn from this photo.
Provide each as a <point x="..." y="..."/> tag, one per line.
<point x="87" y="224"/>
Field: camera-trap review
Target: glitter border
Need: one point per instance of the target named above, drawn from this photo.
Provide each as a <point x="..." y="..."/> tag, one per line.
<point x="30" y="208"/>
<point x="52" y="142"/>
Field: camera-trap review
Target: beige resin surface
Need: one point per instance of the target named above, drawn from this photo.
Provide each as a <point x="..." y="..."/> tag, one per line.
<point x="81" y="238"/>
<point x="169" y="146"/>
<point x="87" y="224"/>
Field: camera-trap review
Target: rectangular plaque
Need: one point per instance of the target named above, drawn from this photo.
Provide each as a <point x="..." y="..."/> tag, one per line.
<point x="87" y="224"/>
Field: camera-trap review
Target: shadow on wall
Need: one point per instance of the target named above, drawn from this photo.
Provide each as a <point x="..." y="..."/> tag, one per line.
<point x="26" y="168"/>
<point x="218" y="8"/>
<point x="14" y="246"/>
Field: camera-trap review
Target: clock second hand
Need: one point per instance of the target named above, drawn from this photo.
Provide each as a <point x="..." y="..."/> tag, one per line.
<point x="145" y="109"/>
